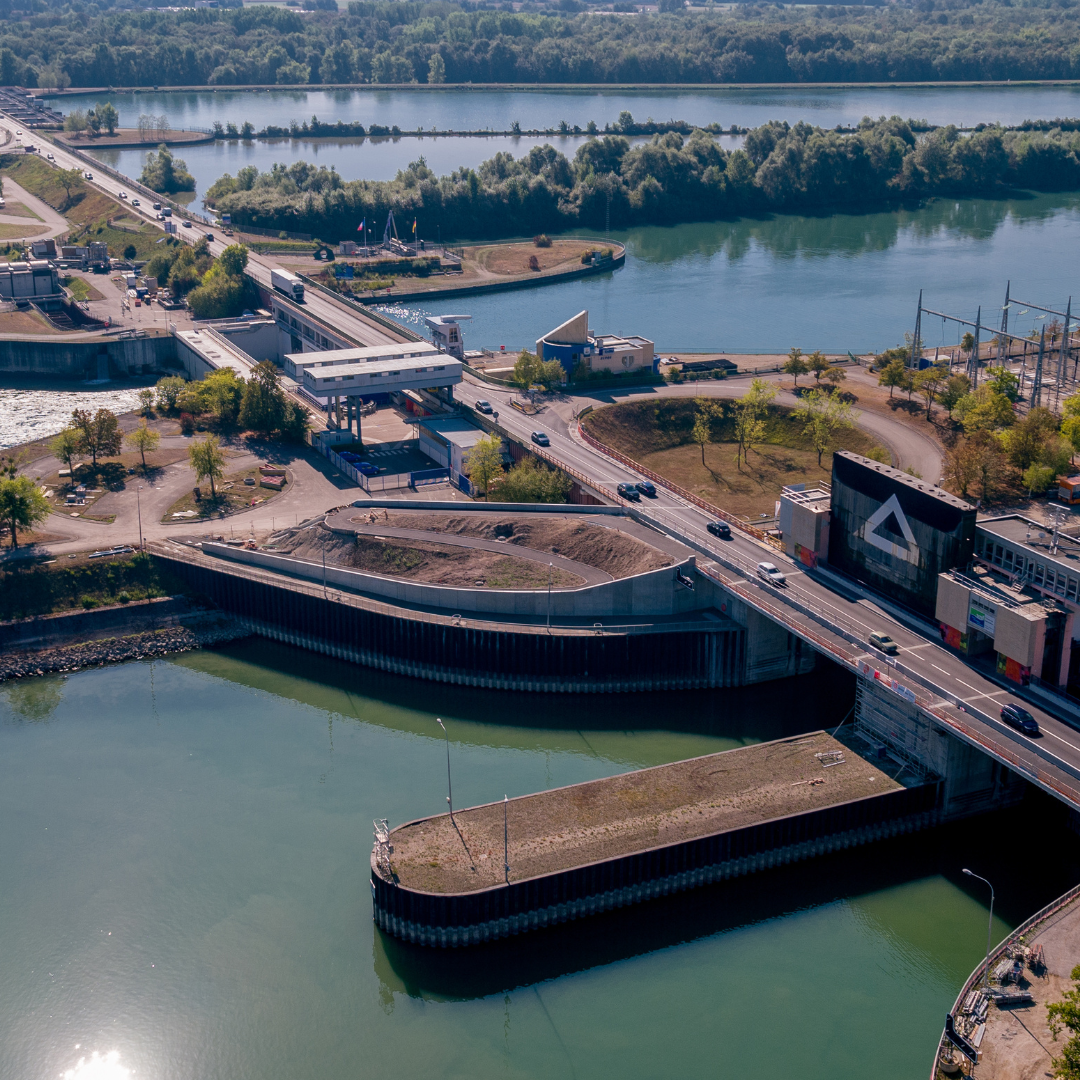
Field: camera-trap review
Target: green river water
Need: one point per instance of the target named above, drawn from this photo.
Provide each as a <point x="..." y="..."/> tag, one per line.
<point x="185" y="883"/>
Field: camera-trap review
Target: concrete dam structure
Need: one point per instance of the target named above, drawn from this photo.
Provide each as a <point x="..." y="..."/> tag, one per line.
<point x="664" y="628"/>
<point x="495" y="871"/>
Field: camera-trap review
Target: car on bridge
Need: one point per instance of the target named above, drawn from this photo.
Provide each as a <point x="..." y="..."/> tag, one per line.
<point x="484" y="407"/>
<point x="540" y="438"/>
<point x="1019" y="718"/>
<point x="719" y="528"/>
<point x="646" y="487"/>
<point x="770" y="572"/>
<point x="629" y="491"/>
<point x="884" y="643"/>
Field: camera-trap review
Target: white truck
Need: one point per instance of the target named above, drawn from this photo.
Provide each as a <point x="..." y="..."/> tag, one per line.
<point x="287" y="282"/>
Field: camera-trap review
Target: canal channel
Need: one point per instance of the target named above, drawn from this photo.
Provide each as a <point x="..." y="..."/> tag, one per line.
<point x="186" y="872"/>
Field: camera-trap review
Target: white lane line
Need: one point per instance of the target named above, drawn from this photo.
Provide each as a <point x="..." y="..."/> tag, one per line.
<point x="974" y="689"/>
<point x="941" y="669"/>
<point x="1053" y="735"/>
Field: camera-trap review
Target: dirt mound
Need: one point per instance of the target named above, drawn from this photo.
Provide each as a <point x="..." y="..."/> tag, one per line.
<point x="421" y="561"/>
<point x="605" y="548"/>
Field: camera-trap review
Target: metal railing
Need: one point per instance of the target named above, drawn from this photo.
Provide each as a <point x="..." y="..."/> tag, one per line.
<point x="1040" y="916"/>
<point x="682" y="492"/>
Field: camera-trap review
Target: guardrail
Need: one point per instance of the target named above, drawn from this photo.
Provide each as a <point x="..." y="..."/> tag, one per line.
<point x="362" y="309"/>
<point x="1040" y="916"/>
<point x="682" y="492"/>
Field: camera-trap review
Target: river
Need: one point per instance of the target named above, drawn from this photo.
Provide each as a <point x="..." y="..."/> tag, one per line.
<point x="481" y="110"/>
<point x="185" y="884"/>
<point x="837" y="282"/>
<point x="834" y="281"/>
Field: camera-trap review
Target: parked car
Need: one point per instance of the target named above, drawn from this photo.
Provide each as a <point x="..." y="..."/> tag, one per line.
<point x="540" y="438"/>
<point x="646" y="487"/>
<point x="884" y="643"/>
<point x="365" y="468"/>
<point x="770" y="572"/>
<point x="1019" y="718"/>
<point x="629" y="491"/>
<point x="349" y="456"/>
<point x="484" y="407"/>
<point x="720" y="528"/>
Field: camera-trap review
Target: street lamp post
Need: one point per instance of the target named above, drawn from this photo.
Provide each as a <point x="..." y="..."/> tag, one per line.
<point x="138" y="506"/>
<point x="449" y="787"/>
<point x="989" y="926"/>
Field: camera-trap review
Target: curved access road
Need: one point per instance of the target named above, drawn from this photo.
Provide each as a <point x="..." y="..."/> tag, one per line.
<point x="910" y="448"/>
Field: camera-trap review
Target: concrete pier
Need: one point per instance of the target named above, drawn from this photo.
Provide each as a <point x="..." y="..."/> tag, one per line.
<point x="591" y="847"/>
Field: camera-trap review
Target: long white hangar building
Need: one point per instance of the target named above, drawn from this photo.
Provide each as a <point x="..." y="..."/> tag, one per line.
<point x="341" y="379"/>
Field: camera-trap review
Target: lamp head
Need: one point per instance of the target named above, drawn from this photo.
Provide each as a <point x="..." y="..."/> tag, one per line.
<point x="968" y="872"/>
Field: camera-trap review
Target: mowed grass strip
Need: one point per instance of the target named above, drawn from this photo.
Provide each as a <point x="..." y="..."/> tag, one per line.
<point x="88" y="210"/>
<point x="657" y="434"/>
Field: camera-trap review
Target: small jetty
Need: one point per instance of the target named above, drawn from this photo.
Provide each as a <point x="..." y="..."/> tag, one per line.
<point x="507" y="868"/>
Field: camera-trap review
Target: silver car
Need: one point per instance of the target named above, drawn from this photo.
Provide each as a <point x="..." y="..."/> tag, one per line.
<point x="769" y="572"/>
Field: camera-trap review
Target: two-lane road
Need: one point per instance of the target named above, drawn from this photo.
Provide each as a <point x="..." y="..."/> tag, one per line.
<point x="958" y="688"/>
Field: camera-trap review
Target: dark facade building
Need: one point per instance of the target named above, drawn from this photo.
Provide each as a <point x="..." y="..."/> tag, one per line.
<point x="896" y="532"/>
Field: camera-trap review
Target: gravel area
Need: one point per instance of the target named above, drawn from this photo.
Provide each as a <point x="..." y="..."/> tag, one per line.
<point x="211" y="631"/>
<point x="604" y="819"/>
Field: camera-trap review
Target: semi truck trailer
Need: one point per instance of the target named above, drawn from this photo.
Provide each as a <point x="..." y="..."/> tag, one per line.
<point x="287" y="282"/>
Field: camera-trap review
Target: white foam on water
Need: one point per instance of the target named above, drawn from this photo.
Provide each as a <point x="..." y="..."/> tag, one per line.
<point x="26" y="415"/>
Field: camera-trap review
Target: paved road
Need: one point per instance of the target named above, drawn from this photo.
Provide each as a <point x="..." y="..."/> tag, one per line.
<point x="921" y="651"/>
<point x="352" y="323"/>
<point x="51" y="224"/>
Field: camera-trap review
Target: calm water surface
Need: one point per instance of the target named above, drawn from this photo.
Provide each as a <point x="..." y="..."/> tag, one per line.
<point x="185" y="883"/>
<point x="477" y="110"/>
<point x="837" y="281"/>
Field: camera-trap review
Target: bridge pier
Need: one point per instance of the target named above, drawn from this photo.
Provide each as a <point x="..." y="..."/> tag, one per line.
<point x="972" y="782"/>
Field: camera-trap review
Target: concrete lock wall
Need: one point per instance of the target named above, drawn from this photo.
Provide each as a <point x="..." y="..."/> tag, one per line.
<point x="656" y="593"/>
<point x="80" y="359"/>
<point x="451" y="920"/>
<point x="494" y="656"/>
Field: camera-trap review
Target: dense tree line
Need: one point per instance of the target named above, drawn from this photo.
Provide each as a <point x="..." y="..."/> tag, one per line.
<point x="665" y="180"/>
<point x="72" y="42"/>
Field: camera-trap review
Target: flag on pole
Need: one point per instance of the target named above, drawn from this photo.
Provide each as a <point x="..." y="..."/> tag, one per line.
<point x="414" y="226"/>
<point x="360" y="227"/>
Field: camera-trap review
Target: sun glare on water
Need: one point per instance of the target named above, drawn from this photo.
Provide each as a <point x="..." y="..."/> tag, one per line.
<point x="99" y="1067"/>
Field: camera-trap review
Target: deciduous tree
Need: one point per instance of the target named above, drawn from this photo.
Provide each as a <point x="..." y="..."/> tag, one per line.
<point x="796" y="365"/>
<point x="823" y="415"/>
<point x="144" y="440"/>
<point x="99" y="433"/>
<point x="67" y="446"/>
<point x="263" y="406"/>
<point x="1065" y="1014"/>
<point x="208" y="461"/>
<point x="484" y="463"/>
<point x="22" y="505"/>
<point x="894" y="374"/>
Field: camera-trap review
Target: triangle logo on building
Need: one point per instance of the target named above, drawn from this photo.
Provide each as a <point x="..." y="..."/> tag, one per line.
<point x="890" y="519"/>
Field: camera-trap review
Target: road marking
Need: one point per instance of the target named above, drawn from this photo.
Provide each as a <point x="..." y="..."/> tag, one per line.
<point x="974" y="689"/>
<point x="941" y="669"/>
<point x="1054" y="735"/>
